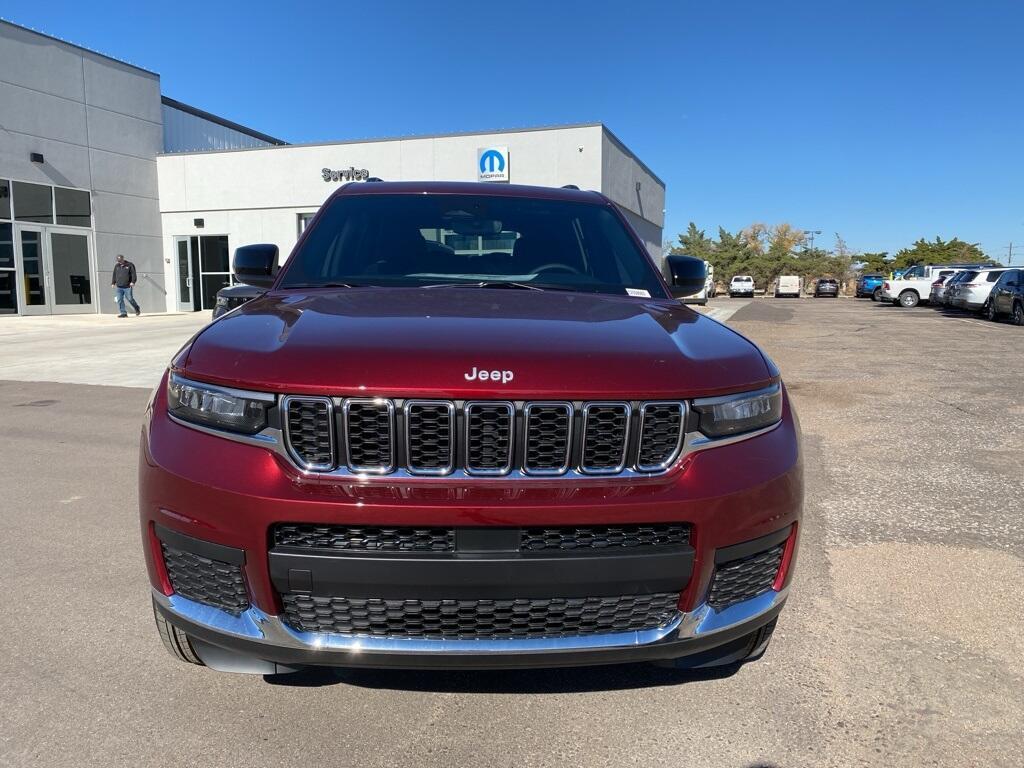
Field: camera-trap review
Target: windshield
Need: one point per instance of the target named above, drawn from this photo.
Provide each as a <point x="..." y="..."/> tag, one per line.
<point x="444" y="240"/>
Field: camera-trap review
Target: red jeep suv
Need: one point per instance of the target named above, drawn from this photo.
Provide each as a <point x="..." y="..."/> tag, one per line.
<point x="468" y="426"/>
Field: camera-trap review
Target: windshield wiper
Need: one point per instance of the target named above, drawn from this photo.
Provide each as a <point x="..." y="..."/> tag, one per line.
<point x="322" y="285"/>
<point x="509" y="284"/>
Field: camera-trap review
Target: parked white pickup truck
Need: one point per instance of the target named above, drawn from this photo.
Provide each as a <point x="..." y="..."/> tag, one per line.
<point x="915" y="286"/>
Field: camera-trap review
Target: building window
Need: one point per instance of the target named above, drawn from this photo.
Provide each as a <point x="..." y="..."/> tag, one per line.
<point x="5" y="199"/>
<point x="33" y="202"/>
<point x="304" y="219"/>
<point x="73" y="207"/>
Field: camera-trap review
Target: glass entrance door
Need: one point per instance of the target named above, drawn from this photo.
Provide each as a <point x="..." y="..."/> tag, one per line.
<point x="67" y="262"/>
<point x="34" y="295"/>
<point x="203" y="265"/>
<point x="55" y="271"/>
<point x="183" y="260"/>
<point x="8" y="271"/>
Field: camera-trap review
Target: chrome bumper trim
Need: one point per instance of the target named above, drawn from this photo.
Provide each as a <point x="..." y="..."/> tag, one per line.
<point x="260" y="627"/>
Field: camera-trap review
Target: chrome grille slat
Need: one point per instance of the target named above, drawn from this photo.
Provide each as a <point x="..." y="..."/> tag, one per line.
<point x="309" y="425"/>
<point x="548" y="438"/>
<point x="370" y="435"/>
<point x="489" y="427"/>
<point x="480" y="438"/>
<point x="661" y="434"/>
<point x="430" y="437"/>
<point x="605" y="438"/>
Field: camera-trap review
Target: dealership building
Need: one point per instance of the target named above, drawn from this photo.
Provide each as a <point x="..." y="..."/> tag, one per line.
<point x="96" y="162"/>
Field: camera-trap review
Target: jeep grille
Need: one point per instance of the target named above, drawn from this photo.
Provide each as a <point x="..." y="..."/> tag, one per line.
<point x="483" y="438"/>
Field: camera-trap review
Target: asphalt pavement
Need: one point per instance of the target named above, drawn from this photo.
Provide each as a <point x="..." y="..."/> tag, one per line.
<point x="902" y="642"/>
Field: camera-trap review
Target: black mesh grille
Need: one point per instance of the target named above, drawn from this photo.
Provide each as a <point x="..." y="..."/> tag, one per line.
<point x="206" y="581"/>
<point x="488" y="437"/>
<point x="359" y="539"/>
<point x="547" y="438"/>
<point x="309" y="432"/>
<point x="369" y="435"/>
<point x="604" y="441"/>
<point x="659" y="434"/>
<point x="430" y="427"/>
<point x="743" y="579"/>
<point x="465" y="619"/>
<point x="604" y="537"/>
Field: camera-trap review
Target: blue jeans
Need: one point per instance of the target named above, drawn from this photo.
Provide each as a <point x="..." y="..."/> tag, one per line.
<point x="122" y="294"/>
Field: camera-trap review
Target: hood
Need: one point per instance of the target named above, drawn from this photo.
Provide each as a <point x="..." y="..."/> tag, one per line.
<point x="412" y="342"/>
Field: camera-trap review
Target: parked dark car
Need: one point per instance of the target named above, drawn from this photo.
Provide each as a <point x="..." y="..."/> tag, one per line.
<point x="870" y="285"/>
<point x="826" y="286"/>
<point x="1007" y="297"/>
<point x="235" y="296"/>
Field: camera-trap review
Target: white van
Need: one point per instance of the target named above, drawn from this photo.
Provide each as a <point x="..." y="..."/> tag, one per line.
<point x="788" y="285"/>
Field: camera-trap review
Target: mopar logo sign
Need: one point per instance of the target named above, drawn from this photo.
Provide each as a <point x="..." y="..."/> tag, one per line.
<point x="492" y="164"/>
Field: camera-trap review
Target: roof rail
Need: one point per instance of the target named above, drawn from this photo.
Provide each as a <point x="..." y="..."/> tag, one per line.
<point x="374" y="178"/>
<point x="570" y="186"/>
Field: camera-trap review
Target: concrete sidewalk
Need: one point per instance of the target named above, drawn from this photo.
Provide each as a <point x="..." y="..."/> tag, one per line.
<point x="93" y="349"/>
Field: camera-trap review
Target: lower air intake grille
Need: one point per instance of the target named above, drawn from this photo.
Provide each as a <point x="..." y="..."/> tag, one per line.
<point x="362" y="539"/>
<point x="206" y="581"/>
<point x="740" y="580"/>
<point x="604" y="537"/>
<point x="471" y="619"/>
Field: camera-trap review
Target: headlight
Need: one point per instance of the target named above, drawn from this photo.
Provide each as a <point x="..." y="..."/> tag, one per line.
<point x="222" y="301"/>
<point x="735" y="414"/>
<point x="218" y="407"/>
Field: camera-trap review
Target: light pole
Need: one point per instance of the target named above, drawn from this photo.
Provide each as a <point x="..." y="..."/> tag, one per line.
<point x="811" y="233"/>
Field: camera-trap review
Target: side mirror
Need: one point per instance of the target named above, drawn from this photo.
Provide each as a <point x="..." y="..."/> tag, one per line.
<point x="256" y="265"/>
<point x="686" y="275"/>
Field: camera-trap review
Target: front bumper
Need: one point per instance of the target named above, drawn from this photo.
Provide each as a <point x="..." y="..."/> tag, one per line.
<point x="232" y="495"/>
<point x="256" y="638"/>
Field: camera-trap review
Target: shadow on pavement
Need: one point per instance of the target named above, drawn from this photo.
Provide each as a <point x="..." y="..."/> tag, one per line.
<point x="529" y="681"/>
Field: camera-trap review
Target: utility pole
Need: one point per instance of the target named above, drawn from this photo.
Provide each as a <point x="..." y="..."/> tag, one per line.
<point x="1009" y="258"/>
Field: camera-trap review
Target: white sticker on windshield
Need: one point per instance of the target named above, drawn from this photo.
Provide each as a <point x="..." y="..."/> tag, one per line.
<point x="639" y="292"/>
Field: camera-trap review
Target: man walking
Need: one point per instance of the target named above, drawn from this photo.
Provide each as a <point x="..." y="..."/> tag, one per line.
<point x="123" y="281"/>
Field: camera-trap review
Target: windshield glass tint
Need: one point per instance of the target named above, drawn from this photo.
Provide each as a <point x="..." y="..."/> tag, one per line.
<point x="413" y="240"/>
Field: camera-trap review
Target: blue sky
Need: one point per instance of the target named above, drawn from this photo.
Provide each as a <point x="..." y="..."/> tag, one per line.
<point x="883" y="120"/>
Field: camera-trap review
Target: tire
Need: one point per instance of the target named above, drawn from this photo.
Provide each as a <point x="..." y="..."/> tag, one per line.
<point x="909" y="299"/>
<point x="1017" y="315"/>
<point x="177" y="643"/>
<point x="990" y="311"/>
<point x="876" y="295"/>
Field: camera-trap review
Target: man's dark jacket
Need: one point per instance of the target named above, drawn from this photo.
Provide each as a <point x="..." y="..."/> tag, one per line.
<point x="124" y="274"/>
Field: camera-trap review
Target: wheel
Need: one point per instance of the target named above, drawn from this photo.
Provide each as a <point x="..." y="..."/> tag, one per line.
<point x="1017" y="316"/>
<point x="990" y="311"/>
<point x="909" y="299"/>
<point x="177" y="643"/>
<point x="876" y="295"/>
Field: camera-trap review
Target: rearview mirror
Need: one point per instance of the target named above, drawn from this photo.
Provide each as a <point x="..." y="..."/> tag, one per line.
<point x="686" y="275"/>
<point x="256" y="265"/>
